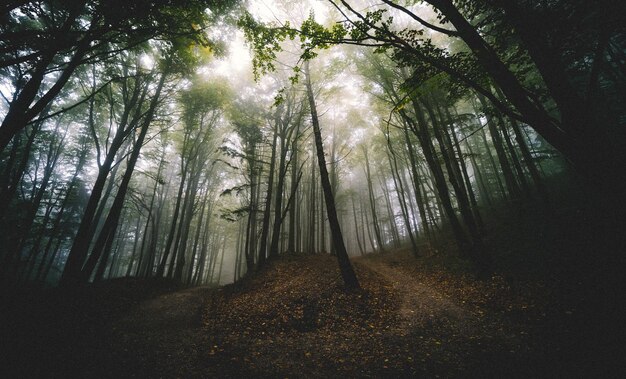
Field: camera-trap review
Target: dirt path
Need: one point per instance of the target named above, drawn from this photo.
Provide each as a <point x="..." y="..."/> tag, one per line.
<point x="421" y="305"/>
<point x="449" y="330"/>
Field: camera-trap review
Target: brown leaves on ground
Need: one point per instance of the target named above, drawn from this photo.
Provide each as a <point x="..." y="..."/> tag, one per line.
<point x="295" y="320"/>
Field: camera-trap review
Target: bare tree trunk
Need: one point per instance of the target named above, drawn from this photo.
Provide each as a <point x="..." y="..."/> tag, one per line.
<point x="347" y="272"/>
<point x="357" y="226"/>
<point x="416" y="179"/>
<point x="397" y="181"/>
<point x="372" y="201"/>
<point x="509" y="178"/>
<point x="268" y="201"/>
<point x="393" y="225"/>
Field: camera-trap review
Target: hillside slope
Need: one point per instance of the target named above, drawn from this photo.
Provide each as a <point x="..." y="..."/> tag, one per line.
<point x="293" y="319"/>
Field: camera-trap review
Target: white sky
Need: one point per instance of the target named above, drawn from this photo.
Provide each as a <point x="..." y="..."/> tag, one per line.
<point x="238" y="62"/>
<point x="348" y="98"/>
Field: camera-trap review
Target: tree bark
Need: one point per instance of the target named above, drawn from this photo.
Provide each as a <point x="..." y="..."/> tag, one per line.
<point x="347" y="272"/>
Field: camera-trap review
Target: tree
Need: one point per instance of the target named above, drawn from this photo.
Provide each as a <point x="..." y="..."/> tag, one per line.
<point x="83" y="31"/>
<point x="137" y="115"/>
<point x="347" y="272"/>
<point x="483" y="58"/>
<point x="246" y="116"/>
<point x="289" y="117"/>
<point x="202" y="110"/>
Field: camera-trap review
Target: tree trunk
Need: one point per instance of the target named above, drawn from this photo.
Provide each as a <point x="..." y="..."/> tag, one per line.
<point x="509" y="178"/>
<point x="466" y="248"/>
<point x="347" y="272"/>
<point x="174" y="223"/>
<point x="537" y="117"/>
<point x="294" y="206"/>
<point x="397" y="181"/>
<point x="268" y="201"/>
<point x="86" y="230"/>
<point x="357" y="226"/>
<point x="372" y="201"/>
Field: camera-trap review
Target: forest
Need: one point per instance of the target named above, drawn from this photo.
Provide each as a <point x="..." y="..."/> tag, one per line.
<point x="315" y="188"/>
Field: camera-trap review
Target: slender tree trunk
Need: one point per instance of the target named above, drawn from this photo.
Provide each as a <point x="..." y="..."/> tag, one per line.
<point x="393" y="225"/>
<point x="372" y="201"/>
<point x="180" y="247"/>
<point x="52" y="157"/>
<point x="419" y="194"/>
<point x="509" y="178"/>
<point x="174" y="223"/>
<point x="347" y="272"/>
<point x="478" y="253"/>
<point x="86" y="230"/>
<point x="537" y="117"/>
<point x="397" y="181"/>
<point x="357" y="226"/>
<point x="312" y="212"/>
<point x="463" y="169"/>
<point x="365" y="221"/>
<point x="530" y="163"/>
<point x="14" y="171"/>
<point x="492" y="162"/>
<point x="484" y="190"/>
<point x="293" y="208"/>
<point x="143" y="254"/>
<point x="466" y="248"/>
<point x="521" y="175"/>
<point x="268" y="201"/>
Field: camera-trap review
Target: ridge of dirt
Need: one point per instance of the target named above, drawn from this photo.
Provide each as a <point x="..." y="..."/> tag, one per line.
<point x="295" y="320"/>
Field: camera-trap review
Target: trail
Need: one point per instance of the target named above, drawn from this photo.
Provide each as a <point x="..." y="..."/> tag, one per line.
<point x="421" y="305"/>
<point x="448" y="329"/>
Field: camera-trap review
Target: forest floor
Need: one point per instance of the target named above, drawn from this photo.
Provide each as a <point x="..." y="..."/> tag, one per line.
<point x="293" y="319"/>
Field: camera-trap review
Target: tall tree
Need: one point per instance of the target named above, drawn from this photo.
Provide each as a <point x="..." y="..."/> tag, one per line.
<point x="347" y="272"/>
